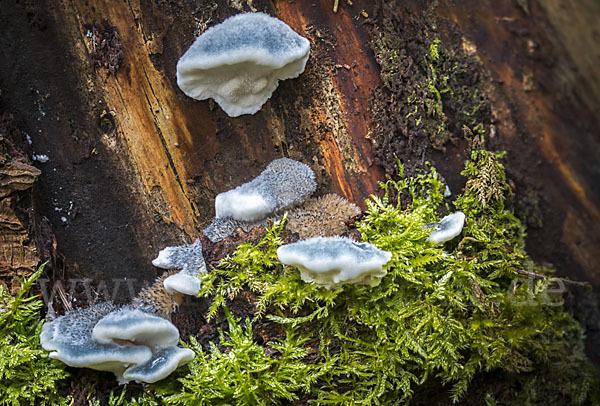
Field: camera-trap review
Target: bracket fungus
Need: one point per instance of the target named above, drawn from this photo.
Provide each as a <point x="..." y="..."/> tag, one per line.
<point x="239" y="62"/>
<point x="190" y="260"/>
<point x="108" y="338"/>
<point x="447" y="228"/>
<point x="133" y="326"/>
<point x="223" y="227"/>
<point x="69" y="339"/>
<point x="283" y="184"/>
<point x="162" y="363"/>
<point x="333" y="261"/>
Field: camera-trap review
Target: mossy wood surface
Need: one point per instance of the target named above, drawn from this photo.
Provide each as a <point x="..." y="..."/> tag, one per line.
<point x="165" y="156"/>
<point x="135" y="164"/>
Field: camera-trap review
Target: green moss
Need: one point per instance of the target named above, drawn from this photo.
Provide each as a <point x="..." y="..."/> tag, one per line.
<point x="443" y="313"/>
<point x="27" y="375"/>
<point x="443" y="317"/>
<point x="243" y="372"/>
<point x="433" y="92"/>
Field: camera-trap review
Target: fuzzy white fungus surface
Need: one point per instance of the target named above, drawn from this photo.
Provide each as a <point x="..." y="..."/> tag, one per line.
<point x="239" y="62"/>
<point x="223" y="227"/>
<point x="183" y="283"/>
<point x="448" y="228"/>
<point x="242" y="204"/>
<point x="69" y="338"/>
<point x="107" y="338"/>
<point x="333" y="261"/>
<point x="162" y="363"/>
<point x="190" y="260"/>
<point x="137" y="327"/>
<point x="284" y="183"/>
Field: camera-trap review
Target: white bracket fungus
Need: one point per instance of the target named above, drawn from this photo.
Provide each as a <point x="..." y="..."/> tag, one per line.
<point x="284" y="183"/>
<point x="189" y="259"/>
<point x="137" y="327"/>
<point x="239" y="62"/>
<point x="69" y="338"/>
<point x="107" y="338"/>
<point x="223" y="227"/>
<point x="448" y="228"/>
<point x="333" y="261"/>
<point x="162" y="363"/>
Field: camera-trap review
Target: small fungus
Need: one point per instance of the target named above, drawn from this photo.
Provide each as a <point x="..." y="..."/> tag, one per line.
<point x="69" y="339"/>
<point x="239" y="62"/>
<point x="162" y="363"/>
<point x="108" y="338"/>
<point x="223" y="227"/>
<point x="283" y="184"/>
<point x="189" y="259"/>
<point x="448" y="228"/>
<point x="182" y="282"/>
<point x="136" y="327"/>
<point x="333" y="261"/>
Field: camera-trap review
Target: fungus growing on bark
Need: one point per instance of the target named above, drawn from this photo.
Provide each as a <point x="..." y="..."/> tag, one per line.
<point x="447" y="228"/>
<point x="239" y="62"/>
<point x="283" y="184"/>
<point x="223" y="227"/>
<point x="189" y="259"/>
<point x="69" y="339"/>
<point x="132" y="326"/>
<point x="107" y="338"/>
<point x="333" y="261"/>
<point x="162" y="363"/>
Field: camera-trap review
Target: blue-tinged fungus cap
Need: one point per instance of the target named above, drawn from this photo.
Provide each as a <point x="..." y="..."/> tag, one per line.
<point x="239" y="62"/>
<point x="283" y="184"/>
<point x="448" y="228"/>
<point x="186" y="257"/>
<point x="135" y="327"/>
<point x="183" y="283"/>
<point x="189" y="259"/>
<point x="333" y="261"/>
<point x="162" y="363"/>
<point x="69" y="339"/>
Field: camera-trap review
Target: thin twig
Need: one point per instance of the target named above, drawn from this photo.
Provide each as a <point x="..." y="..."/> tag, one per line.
<point x="540" y="276"/>
<point x="336" y="3"/>
<point x="63" y="298"/>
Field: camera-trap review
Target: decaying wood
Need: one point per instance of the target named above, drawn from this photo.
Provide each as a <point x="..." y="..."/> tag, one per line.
<point x="165" y="156"/>
<point x="18" y="253"/>
<point x="546" y="100"/>
<point x="16" y="175"/>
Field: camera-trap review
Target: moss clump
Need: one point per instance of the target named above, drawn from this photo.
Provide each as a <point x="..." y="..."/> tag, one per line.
<point x="322" y="216"/>
<point x="27" y="375"/>
<point x="246" y="373"/>
<point x="443" y="314"/>
<point x="432" y="92"/>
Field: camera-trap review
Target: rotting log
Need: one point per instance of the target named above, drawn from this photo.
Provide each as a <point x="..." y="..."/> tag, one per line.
<point x="170" y="138"/>
<point x="144" y="162"/>
<point x="19" y="254"/>
<point x="543" y="60"/>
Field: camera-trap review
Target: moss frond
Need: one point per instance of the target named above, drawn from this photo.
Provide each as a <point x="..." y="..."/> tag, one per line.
<point x="27" y="375"/>
<point x="444" y="313"/>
